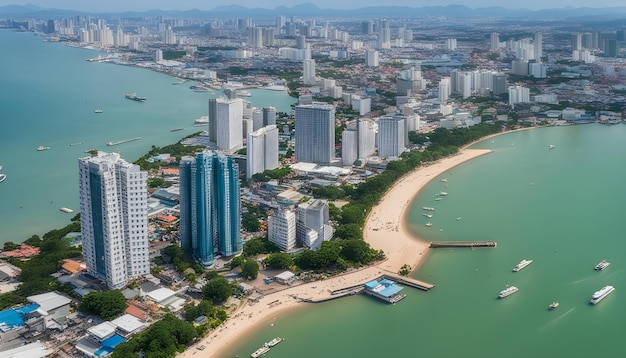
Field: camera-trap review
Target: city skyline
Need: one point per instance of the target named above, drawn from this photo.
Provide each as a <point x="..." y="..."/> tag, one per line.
<point x="184" y="5"/>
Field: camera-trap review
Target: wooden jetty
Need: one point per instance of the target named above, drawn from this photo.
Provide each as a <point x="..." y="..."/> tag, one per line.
<point x="470" y="244"/>
<point x="407" y="281"/>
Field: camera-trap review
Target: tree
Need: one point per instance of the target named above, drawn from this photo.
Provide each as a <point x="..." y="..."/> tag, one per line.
<point x="217" y="290"/>
<point x="356" y="251"/>
<point x="279" y="261"/>
<point x="250" y="222"/>
<point x="250" y="269"/>
<point x="236" y="262"/>
<point x="405" y="270"/>
<point x="10" y="246"/>
<point x="349" y="232"/>
<point x="108" y="304"/>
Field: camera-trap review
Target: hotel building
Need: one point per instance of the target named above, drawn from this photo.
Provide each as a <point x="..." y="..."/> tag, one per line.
<point x="114" y="218"/>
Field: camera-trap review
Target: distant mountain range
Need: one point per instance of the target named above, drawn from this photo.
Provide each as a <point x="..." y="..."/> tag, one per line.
<point x="311" y="10"/>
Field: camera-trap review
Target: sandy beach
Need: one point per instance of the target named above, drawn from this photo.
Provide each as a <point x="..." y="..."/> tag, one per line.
<point x="384" y="229"/>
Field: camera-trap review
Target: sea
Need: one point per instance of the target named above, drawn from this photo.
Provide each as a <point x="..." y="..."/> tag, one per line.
<point x="48" y="95"/>
<point x="560" y="207"/>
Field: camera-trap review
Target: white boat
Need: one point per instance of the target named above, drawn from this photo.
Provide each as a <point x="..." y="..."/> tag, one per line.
<point x="443" y="193"/>
<point x="602" y="265"/>
<point x="437" y="199"/>
<point x="429" y="224"/>
<point x="428" y="208"/>
<point x="444" y="180"/>
<point x="66" y="210"/>
<point x="2" y="177"/>
<point x="508" y="291"/>
<point x="0" y="167"/>
<point x="601" y="294"/>
<point x="551" y="146"/>
<point x="459" y="218"/>
<point x="97" y="111"/>
<point x="522" y="264"/>
<point x="259" y="352"/>
<point x="202" y="120"/>
<point x="244" y="94"/>
<point x="427" y="215"/>
<point x="553" y="305"/>
<point x="42" y="147"/>
<point x="274" y="342"/>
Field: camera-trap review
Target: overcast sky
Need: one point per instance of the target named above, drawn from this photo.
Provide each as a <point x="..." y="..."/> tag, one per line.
<point x="134" y="5"/>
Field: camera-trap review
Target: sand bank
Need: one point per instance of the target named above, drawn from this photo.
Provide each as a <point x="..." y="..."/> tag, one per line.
<point x="384" y="229"/>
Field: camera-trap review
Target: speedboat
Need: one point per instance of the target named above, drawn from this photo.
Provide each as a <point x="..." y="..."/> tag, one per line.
<point x="602" y="265"/>
<point x="551" y="146"/>
<point x="429" y="224"/>
<point x="2" y="177"/>
<point x="553" y="305"/>
<point x="42" y="147"/>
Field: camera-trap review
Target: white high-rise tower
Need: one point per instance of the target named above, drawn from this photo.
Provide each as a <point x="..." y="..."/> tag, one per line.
<point x="114" y="218"/>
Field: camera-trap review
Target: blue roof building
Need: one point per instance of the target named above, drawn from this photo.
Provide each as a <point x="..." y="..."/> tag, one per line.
<point x="384" y="289"/>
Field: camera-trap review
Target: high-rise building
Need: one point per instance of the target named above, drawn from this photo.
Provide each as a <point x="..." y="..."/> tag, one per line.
<point x="281" y="229"/>
<point x="358" y="141"/>
<point x="315" y="133"/>
<point x="499" y="84"/>
<point x="210" y="205"/>
<point x="308" y="72"/>
<point x="444" y="89"/>
<point x="255" y="37"/>
<point x="169" y="37"/>
<point x="367" y="27"/>
<point x="495" y="41"/>
<point x="518" y="94"/>
<point x="372" y="58"/>
<point x="262" y="150"/>
<point x="114" y="218"/>
<point x="538" y="43"/>
<point x="312" y="224"/>
<point x="577" y="41"/>
<point x="269" y="116"/>
<point x="451" y="44"/>
<point x="228" y="126"/>
<point x="391" y="135"/>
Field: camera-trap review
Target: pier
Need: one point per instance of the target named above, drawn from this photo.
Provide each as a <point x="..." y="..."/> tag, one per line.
<point x="411" y="282"/>
<point x="470" y="244"/>
<point x="123" y="141"/>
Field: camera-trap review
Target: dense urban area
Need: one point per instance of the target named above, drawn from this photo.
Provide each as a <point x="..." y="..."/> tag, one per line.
<point x="259" y="200"/>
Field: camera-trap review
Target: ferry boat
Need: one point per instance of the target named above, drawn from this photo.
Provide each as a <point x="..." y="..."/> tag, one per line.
<point x="601" y="294"/>
<point x="134" y="97"/>
<point x="274" y="342"/>
<point x="259" y="352"/>
<point x="202" y="120"/>
<point x="508" y="291"/>
<point x="522" y="264"/>
<point x="553" y="305"/>
<point x="2" y="177"/>
<point x="602" y="265"/>
<point x="428" y="209"/>
<point x="42" y="147"/>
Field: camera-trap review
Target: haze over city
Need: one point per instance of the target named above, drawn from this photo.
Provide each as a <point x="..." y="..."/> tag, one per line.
<point x="143" y="5"/>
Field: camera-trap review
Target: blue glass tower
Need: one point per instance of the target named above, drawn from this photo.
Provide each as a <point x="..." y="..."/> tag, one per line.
<point x="210" y="206"/>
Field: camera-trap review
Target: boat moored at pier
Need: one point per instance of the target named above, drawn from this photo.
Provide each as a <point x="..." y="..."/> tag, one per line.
<point x="601" y="294"/>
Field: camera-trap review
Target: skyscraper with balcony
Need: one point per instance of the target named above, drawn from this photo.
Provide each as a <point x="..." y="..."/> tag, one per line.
<point x="391" y="135"/>
<point x="308" y="72"/>
<point x="114" y="218"/>
<point x="229" y="124"/>
<point x="315" y="133"/>
<point x="210" y="206"/>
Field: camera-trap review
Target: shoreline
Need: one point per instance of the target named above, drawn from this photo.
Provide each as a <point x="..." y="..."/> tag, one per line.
<point x="400" y="248"/>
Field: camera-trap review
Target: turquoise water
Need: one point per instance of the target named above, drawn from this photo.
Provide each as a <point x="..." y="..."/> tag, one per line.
<point x="48" y="94"/>
<point x="561" y="208"/>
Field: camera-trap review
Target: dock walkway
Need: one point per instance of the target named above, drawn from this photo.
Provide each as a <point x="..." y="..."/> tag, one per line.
<point x="470" y="244"/>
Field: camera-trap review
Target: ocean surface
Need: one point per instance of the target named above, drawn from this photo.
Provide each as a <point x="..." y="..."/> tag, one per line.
<point x="48" y="94"/>
<point x="561" y="207"/>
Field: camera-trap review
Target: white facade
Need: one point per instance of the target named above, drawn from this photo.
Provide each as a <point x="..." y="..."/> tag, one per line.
<point x="372" y="58"/>
<point x="281" y="229"/>
<point x="312" y="224"/>
<point x="444" y="89"/>
<point x="391" y="135"/>
<point x="518" y="94"/>
<point x="262" y="150"/>
<point x="308" y="72"/>
<point x="229" y="126"/>
<point x="114" y="218"/>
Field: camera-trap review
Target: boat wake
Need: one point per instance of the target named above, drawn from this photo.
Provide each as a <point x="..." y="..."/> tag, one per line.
<point x="557" y="319"/>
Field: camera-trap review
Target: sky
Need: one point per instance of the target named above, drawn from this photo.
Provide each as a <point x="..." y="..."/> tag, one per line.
<point x="140" y="5"/>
